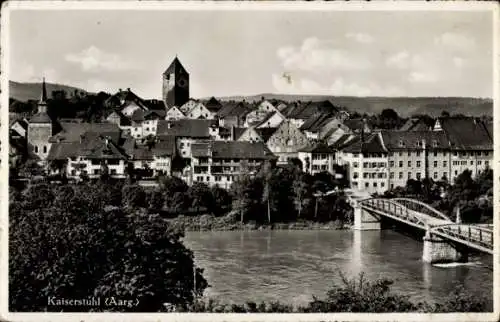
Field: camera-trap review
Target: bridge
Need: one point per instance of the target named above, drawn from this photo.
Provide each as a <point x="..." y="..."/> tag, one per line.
<point x="445" y="240"/>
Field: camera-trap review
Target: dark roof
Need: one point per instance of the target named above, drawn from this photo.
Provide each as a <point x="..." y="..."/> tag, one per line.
<point x="316" y="122"/>
<point x="319" y="147"/>
<point x="467" y="133"/>
<point x="22" y="121"/>
<point x="185" y="127"/>
<point x="412" y="140"/>
<point x="124" y="121"/>
<point x="137" y="115"/>
<point x="213" y="105"/>
<point x="238" y="132"/>
<point x="142" y="153"/>
<point x="266" y="118"/>
<point x="304" y="110"/>
<point x="232" y="150"/>
<point x="372" y="144"/>
<point x="154" y="115"/>
<point x="266" y="132"/>
<point x="92" y="147"/>
<point x="239" y="109"/>
<point x="154" y="104"/>
<point x="126" y="96"/>
<point x="164" y="146"/>
<point x="71" y="132"/>
<point x="342" y="141"/>
<point x="354" y="124"/>
<point x="415" y="124"/>
<point x="40" y="117"/>
<point x="175" y="67"/>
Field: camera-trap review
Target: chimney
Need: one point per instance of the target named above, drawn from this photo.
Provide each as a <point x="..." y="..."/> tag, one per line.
<point x="119" y="90"/>
<point x="81" y="138"/>
<point x="128" y="89"/>
<point x="169" y="125"/>
<point x="232" y="133"/>
<point x="106" y="141"/>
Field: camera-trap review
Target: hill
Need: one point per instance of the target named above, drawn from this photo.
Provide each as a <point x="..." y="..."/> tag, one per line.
<point x="404" y="106"/>
<point x="31" y="91"/>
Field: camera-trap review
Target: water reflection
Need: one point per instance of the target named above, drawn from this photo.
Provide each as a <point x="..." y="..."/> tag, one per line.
<point x="292" y="266"/>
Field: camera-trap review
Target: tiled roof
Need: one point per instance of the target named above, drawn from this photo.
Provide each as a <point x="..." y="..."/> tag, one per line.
<point x="342" y="141"/>
<point x="304" y="110"/>
<point x="372" y="144"/>
<point x="41" y="117"/>
<point x="213" y="105"/>
<point x="232" y="150"/>
<point x="415" y="124"/>
<point x="239" y="109"/>
<point x="137" y="115"/>
<point x="318" y="148"/>
<point x="265" y="132"/>
<point x="124" y="121"/>
<point x="354" y="124"/>
<point x="238" y="132"/>
<point x="71" y="132"/>
<point x="164" y="146"/>
<point x="94" y="147"/>
<point x="127" y="96"/>
<point x="185" y="127"/>
<point x="412" y="140"/>
<point x="154" y="104"/>
<point x="467" y="133"/>
<point x="175" y="67"/>
<point x="22" y="121"/>
<point x="316" y="122"/>
<point x="142" y="153"/>
<point x="265" y="119"/>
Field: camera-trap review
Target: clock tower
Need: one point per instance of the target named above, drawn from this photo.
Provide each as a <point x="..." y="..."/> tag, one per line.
<point x="175" y="84"/>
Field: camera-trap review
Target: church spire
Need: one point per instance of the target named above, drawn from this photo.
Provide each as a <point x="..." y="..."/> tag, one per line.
<point x="43" y="99"/>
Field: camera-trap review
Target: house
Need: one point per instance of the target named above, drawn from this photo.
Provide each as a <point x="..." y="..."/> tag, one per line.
<point x="316" y="158"/>
<point x="213" y="105"/>
<point x="234" y="114"/>
<point x="221" y="163"/>
<point x="200" y="111"/>
<point x="357" y="125"/>
<point x="300" y="112"/>
<point x="19" y="128"/>
<point x="416" y="124"/>
<point x="122" y="98"/>
<point x="188" y="106"/>
<point x="318" y="124"/>
<point x="253" y="134"/>
<point x="174" y="113"/>
<point x="286" y="141"/>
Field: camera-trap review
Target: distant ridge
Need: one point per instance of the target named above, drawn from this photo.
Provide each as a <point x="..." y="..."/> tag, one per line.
<point x="404" y="106"/>
<point x="31" y="91"/>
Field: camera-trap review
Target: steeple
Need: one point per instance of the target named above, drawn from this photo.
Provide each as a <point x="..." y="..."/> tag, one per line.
<point x="43" y="99"/>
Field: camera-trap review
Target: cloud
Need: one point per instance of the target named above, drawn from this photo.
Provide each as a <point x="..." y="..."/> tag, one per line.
<point x="316" y="55"/>
<point x="360" y="37"/>
<point x="94" y="59"/>
<point x="423" y="77"/>
<point x="340" y="86"/>
<point x="455" y="41"/>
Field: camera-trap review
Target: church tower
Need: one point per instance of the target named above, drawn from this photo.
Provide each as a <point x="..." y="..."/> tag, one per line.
<point x="175" y="85"/>
<point x="40" y="128"/>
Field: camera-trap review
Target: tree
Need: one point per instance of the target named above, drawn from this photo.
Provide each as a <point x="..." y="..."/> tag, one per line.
<point x="267" y="174"/>
<point x="302" y="192"/>
<point x="222" y="199"/>
<point x="133" y="196"/>
<point x="62" y="253"/>
<point x="201" y="197"/>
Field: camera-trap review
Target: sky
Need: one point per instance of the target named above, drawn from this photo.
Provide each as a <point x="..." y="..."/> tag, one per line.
<point x="351" y="53"/>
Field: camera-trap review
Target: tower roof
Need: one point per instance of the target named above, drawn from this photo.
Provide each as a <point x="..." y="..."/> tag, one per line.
<point x="175" y="67"/>
<point x="42" y="116"/>
<point x="43" y="97"/>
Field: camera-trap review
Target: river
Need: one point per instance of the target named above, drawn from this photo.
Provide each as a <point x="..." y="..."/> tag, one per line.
<point x="292" y="266"/>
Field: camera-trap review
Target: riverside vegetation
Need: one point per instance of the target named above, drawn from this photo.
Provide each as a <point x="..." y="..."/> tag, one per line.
<point x="105" y="239"/>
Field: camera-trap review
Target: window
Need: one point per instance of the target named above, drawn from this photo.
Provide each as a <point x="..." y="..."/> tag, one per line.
<point x="434" y="144"/>
<point x="409" y="163"/>
<point x="374" y="184"/>
<point x="418" y="175"/>
<point x="374" y="164"/>
<point x="324" y="167"/>
<point x="472" y="162"/>
<point x="401" y="175"/>
<point x="73" y="172"/>
<point x="487" y="163"/>
<point x="445" y="163"/>
<point x="380" y="175"/>
<point x="208" y="178"/>
<point x="44" y="149"/>
<point x="445" y="174"/>
<point x="401" y="143"/>
<point x="199" y="179"/>
<point x="355" y="183"/>
<point x="409" y="175"/>
<point x="391" y="164"/>
<point x="455" y="153"/>
<point x="391" y="175"/>
<point x="355" y="155"/>
<point x="228" y="178"/>
<point x="355" y="175"/>
<point x="418" y="153"/>
<point x="36" y="149"/>
<point x="147" y="129"/>
<point x="400" y="164"/>
<point x="113" y="171"/>
<point x="435" y="164"/>
<point x="365" y="175"/>
<point x="366" y="164"/>
<point x="382" y="184"/>
<point x="435" y="176"/>
<point x="392" y="185"/>
<point x="355" y="164"/>
<point x="367" y="184"/>
<point x="400" y="154"/>
<point x="418" y="164"/>
<point x="182" y="145"/>
<point x="96" y="171"/>
<point x="409" y="153"/>
<point x="218" y="178"/>
<point x="479" y="162"/>
<point x="456" y="172"/>
<point x="435" y="153"/>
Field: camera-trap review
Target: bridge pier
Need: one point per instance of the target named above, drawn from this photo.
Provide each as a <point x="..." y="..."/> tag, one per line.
<point x="438" y="250"/>
<point x="363" y="220"/>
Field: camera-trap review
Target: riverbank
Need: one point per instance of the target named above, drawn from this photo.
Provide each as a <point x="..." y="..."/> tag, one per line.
<point x="231" y="222"/>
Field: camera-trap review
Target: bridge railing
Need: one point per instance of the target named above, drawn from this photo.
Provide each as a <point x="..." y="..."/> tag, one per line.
<point x="393" y="209"/>
<point x="478" y="235"/>
<point x="422" y="207"/>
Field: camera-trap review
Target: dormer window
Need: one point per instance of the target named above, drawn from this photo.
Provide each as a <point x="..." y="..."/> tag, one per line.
<point x="434" y="143"/>
<point x="401" y="143"/>
<point x="419" y="143"/>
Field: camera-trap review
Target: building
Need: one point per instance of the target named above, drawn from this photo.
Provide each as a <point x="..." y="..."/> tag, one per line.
<point x="286" y="141"/>
<point x="234" y="114"/>
<point x="175" y="84"/>
<point x="317" y="158"/>
<point x="221" y="163"/>
<point x="40" y="129"/>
